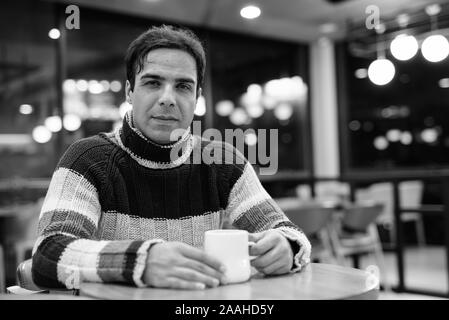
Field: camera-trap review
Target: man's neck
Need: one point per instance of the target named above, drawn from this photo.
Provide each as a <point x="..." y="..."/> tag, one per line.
<point x="161" y="145"/>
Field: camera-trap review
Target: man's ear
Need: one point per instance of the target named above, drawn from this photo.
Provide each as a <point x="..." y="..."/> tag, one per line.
<point x="128" y="92"/>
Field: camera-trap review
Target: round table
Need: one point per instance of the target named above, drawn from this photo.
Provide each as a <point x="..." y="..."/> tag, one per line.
<point x="316" y="281"/>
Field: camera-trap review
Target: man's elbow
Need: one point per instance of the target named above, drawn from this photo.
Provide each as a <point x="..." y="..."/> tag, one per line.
<point x="44" y="271"/>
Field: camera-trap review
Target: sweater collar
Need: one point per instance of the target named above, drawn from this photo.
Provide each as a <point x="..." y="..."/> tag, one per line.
<point x="150" y="153"/>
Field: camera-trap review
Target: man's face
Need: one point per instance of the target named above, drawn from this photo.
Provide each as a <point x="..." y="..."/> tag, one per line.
<point x="164" y="95"/>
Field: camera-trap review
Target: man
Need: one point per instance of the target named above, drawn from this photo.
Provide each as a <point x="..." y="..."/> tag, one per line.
<point x="122" y="208"/>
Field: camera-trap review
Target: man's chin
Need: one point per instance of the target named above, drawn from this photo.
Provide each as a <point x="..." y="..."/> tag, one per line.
<point x="167" y="136"/>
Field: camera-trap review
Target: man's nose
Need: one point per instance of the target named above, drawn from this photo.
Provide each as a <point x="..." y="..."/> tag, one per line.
<point x="167" y="97"/>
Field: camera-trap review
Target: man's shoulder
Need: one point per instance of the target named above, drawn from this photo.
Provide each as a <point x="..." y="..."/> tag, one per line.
<point x="94" y="148"/>
<point x="96" y="142"/>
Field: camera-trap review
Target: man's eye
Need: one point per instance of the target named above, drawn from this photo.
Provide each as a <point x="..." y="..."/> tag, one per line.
<point x="184" y="86"/>
<point x="152" y="83"/>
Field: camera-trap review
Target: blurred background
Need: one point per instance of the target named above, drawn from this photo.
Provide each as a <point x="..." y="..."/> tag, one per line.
<point x="358" y="91"/>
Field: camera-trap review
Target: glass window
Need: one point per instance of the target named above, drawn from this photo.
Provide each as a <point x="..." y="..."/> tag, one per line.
<point x="259" y="84"/>
<point x="27" y="89"/>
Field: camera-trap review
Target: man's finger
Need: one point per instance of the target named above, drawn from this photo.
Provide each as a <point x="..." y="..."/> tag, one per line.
<point x="195" y="276"/>
<point x="177" y="283"/>
<point x="255" y="236"/>
<point x="204" y="269"/>
<point x="201" y="256"/>
<point x="266" y="259"/>
<point x="282" y="270"/>
<point x="266" y="243"/>
<point x="276" y="267"/>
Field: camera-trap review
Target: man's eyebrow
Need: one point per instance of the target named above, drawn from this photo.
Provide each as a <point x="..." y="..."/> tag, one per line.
<point x="151" y="76"/>
<point x="158" y="77"/>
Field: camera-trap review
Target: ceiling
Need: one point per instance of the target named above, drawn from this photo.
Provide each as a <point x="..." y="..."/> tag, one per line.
<point x="295" y="20"/>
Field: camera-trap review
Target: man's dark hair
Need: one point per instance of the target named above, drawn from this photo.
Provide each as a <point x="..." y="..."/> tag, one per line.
<point x="168" y="37"/>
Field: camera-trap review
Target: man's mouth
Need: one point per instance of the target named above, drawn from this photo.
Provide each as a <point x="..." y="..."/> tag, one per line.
<point x="165" y="117"/>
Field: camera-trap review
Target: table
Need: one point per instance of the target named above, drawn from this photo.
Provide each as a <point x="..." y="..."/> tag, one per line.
<point x="41" y="296"/>
<point x="316" y="282"/>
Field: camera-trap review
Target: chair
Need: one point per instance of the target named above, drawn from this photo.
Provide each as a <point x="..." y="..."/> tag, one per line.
<point x="332" y="190"/>
<point x="25" y="284"/>
<point x="363" y="238"/>
<point x="25" y="281"/>
<point x="2" y="270"/>
<point x="313" y="219"/>
<point x="26" y="230"/>
<point x="23" y="233"/>
<point x="410" y="197"/>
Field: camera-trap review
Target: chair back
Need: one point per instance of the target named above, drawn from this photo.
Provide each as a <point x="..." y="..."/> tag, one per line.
<point x="410" y="197"/>
<point x="411" y="193"/>
<point x="332" y="190"/>
<point x="310" y="217"/>
<point x="360" y="215"/>
<point x="24" y="276"/>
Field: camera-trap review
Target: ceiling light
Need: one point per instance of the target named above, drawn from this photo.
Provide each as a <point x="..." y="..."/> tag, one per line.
<point x="354" y="125"/>
<point x="404" y="47"/>
<point x="429" y="135"/>
<point x="95" y="87"/>
<point x="53" y="123"/>
<point x="393" y="135"/>
<point x="283" y="111"/>
<point x="54" y="33"/>
<point x="444" y="83"/>
<point x="433" y="9"/>
<point x="380" y="143"/>
<point x="82" y="85"/>
<point x="403" y="20"/>
<point x="250" y="12"/>
<point x="41" y="134"/>
<point x="381" y="71"/>
<point x="254" y="110"/>
<point x="69" y="85"/>
<point x="361" y="73"/>
<point x="406" y="138"/>
<point x="105" y="84"/>
<point x="200" y="109"/>
<point x="224" y="107"/>
<point x="250" y="138"/>
<point x="435" y="48"/>
<point x="115" y="86"/>
<point x="71" y="122"/>
<point x="239" y="117"/>
<point x="26" y="108"/>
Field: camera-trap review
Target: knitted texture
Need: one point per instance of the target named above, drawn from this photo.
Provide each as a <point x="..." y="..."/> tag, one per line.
<point x="112" y="196"/>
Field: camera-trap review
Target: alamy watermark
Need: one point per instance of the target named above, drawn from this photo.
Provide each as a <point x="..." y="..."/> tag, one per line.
<point x="264" y="154"/>
<point x="372" y="21"/>
<point x="73" y="19"/>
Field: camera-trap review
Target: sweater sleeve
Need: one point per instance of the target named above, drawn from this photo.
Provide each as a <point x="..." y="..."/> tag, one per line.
<point x="251" y="208"/>
<point x="67" y="252"/>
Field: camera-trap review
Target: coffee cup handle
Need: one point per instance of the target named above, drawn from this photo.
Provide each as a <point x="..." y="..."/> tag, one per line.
<point x="251" y="243"/>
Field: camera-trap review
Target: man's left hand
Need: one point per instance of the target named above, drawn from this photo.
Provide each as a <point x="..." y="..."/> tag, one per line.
<point x="273" y="251"/>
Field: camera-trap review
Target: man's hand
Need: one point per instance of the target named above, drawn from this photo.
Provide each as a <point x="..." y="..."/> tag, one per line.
<point x="178" y="265"/>
<point x="275" y="255"/>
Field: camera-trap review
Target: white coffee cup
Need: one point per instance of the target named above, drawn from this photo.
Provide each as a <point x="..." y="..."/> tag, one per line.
<point x="231" y="247"/>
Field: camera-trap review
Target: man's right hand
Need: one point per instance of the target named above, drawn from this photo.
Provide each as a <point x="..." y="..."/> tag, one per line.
<point x="180" y="266"/>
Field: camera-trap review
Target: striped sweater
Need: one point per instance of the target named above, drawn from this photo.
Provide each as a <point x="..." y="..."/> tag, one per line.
<point x="114" y="195"/>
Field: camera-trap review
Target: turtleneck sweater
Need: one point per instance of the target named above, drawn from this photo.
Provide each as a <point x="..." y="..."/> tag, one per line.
<point x="114" y="195"/>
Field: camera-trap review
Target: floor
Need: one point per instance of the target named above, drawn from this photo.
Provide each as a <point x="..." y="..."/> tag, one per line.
<point x="425" y="268"/>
